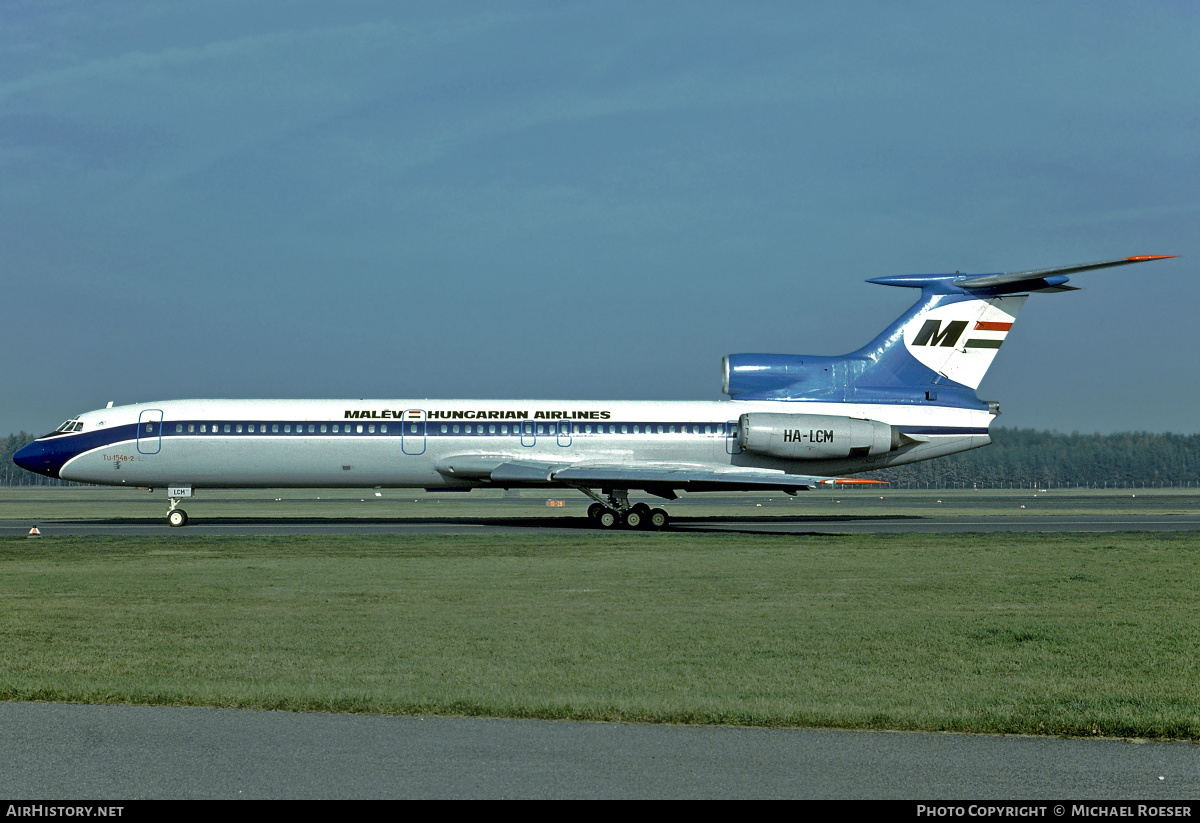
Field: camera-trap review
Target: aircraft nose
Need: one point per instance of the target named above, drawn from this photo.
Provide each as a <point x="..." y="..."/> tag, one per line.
<point x="37" y="457"/>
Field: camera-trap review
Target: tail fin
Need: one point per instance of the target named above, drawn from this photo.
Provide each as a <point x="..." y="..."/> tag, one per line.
<point x="958" y="340"/>
<point x="937" y="352"/>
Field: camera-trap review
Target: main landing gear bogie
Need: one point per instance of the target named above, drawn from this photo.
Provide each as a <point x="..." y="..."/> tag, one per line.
<point x="637" y="516"/>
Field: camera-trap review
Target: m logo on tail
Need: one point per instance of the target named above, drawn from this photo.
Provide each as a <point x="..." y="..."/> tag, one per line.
<point x="931" y="333"/>
<point x="960" y="338"/>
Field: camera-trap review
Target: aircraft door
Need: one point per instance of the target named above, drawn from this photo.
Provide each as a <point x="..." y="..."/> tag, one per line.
<point x="528" y="434"/>
<point x="149" y="431"/>
<point x="412" y="432"/>
<point x="564" y="432"/>
<point x="731" y="438"/>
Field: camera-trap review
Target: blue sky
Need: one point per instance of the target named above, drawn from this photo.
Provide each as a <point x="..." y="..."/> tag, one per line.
<point x="585" y="200"/>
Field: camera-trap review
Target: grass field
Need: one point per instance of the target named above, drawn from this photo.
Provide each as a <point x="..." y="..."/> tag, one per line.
<point x="1050" y="634"/>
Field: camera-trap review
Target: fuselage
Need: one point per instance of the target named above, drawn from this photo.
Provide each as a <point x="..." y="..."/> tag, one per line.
<point x="403" y="443"/>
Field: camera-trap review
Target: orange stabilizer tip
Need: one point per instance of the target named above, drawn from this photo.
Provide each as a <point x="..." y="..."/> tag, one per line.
<point x="859" y="481"/>
<point x="1143" y="257"/>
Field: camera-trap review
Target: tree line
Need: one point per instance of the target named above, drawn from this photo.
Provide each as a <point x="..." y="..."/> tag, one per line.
<point x="1022" y="458"/>
<point x="1016" y="458"/>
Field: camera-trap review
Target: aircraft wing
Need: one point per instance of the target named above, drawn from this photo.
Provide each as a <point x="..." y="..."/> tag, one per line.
<point x="682" y="477"/>
<point x="661" y="480"/>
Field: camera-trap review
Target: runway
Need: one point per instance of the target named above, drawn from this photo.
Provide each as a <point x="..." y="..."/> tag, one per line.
<point x="129" y="752"/>
<point x="789" y="524"/>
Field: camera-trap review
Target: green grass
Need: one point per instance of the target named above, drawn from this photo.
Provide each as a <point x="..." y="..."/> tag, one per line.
<point x="1043" y="634"/>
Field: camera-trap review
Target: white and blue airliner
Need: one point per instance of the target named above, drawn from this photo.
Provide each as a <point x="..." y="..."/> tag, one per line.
<point x="792" y="422"/>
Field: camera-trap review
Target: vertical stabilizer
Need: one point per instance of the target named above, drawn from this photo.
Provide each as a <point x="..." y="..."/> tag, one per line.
<point x="937" y="352"/>
<point x="960" y="340"/>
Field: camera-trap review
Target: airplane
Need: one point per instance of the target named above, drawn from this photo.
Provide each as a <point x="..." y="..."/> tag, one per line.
<point x="791" y="423"/>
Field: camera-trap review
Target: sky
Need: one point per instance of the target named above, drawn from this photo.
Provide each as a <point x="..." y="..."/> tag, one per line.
<point x="593" y="200"/>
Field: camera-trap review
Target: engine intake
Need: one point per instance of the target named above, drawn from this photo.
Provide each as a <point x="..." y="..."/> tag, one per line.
<point x="815" y="436"/>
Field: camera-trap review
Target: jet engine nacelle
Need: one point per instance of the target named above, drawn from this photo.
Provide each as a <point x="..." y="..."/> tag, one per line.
<point x="815" y="436"/>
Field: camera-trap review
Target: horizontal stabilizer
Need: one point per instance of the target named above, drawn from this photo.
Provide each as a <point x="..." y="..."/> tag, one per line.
<point x="1036" y="280"/>
<point x="1036" y="275"/>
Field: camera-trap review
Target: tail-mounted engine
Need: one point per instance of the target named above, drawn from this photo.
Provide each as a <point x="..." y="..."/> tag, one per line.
<point x="815" y="436"/>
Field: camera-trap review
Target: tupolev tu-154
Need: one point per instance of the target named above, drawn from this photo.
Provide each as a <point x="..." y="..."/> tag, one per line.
<point x="791" y="423"/>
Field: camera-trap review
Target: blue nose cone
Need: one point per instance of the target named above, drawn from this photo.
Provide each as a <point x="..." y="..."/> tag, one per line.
<point x="41" y="457"/>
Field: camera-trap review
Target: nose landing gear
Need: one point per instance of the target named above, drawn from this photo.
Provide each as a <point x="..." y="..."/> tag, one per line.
<point x="175" y="515"/>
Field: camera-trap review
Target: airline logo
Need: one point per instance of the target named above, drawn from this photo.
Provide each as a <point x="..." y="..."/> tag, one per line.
<point x="959" y="340"/>
<point x="932" y="334"/>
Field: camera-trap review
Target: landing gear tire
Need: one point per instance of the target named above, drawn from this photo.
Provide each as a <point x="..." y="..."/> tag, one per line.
<point x="594" y="511"/>
<point x="177" y="517"/>
<point x="658" y="519"/>
<point x="633" y="518"/>
<point x="608" y="519"/>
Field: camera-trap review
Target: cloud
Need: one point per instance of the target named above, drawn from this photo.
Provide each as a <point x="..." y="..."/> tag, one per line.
<point x="142" y="62"/>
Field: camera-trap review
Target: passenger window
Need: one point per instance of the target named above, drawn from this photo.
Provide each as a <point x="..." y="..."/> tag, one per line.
<point x="324" y="428"/>
<point x="491" y="429"/>
<point x="228" y="428"/>
<point x="359" y="428"/>
<point x="383" y="428"/>
<point x="504" y="429"/>
<point x="456" y="429"/>
<point x="312" y="428"/>
<point x="274" y="428"/>
<point x="371" y="429"/>
<point x="178" y="427"/>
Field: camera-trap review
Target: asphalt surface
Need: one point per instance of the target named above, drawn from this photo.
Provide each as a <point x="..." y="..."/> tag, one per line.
<point x="766" y="524"/>
<point x="64" y="751"/>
